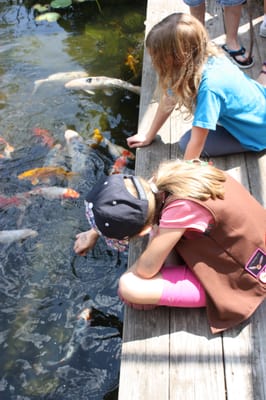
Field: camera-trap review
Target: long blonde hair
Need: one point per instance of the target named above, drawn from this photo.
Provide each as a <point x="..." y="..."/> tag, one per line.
<point x="179" y="46"/>
<point x="190" y="179"/>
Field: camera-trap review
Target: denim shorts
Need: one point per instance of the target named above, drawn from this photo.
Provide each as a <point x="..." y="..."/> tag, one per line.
<point x="194" y="3"/>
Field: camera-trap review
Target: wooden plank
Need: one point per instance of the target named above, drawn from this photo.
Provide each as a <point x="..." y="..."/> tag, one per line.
<point x="196" y="357"/>
<point x="169" y="353"/>
<point x="145" y="349"/>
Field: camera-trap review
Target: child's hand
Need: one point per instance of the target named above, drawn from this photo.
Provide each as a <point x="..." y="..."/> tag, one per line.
<point x="85" y="241"/>
<point x="138" y="140"/>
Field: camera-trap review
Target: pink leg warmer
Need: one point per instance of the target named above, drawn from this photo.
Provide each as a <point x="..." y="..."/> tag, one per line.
<point x="181" y="288"/>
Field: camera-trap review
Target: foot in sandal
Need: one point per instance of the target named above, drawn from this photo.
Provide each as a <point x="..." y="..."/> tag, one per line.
<point x="239" y="57"/>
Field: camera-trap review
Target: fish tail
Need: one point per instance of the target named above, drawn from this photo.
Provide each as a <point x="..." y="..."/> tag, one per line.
<point x="37" y="84"/>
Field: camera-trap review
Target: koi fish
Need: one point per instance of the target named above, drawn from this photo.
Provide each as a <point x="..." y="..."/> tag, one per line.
<point x="119" y="165"/>
<point x="101" y="83"/>
<point x="60" y="77"/>
<point x="8" y="149"/>
<point x="10" y="236"/>
<point x="43" y="173"/>
<point x="131" y="62"/>
<point x="54" y="192"/>
<point x="45" y="136"/>
<point x="114" y="149"/>
<point x="20" y="201"/>
<point x="83" y="322"/>
<point x="77" y="150"/>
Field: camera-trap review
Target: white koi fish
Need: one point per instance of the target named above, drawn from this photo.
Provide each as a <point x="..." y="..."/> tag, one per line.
<point x="105" y="83"/>
<point x="78" y="150"/>
<point x="15" y="235"/>
<point x="82" y="324"/>
<point x="59" y="77"/>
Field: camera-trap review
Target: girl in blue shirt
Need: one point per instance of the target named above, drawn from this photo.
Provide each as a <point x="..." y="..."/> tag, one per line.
<point x="228" y="107"/>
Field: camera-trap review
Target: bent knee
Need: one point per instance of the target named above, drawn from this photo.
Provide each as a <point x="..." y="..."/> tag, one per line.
<point x="130" y="287"/>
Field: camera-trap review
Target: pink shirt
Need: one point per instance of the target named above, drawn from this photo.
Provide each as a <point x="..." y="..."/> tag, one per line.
<point x="185" y="214"/>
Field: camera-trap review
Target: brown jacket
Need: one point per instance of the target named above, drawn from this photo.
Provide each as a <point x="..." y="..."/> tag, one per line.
<point x="218" y="258"/>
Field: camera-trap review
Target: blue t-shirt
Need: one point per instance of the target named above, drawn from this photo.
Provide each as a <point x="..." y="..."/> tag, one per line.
<point x="230" y="98"/>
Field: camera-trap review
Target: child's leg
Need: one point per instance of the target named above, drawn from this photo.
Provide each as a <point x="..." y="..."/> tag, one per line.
<point x="218" y="143"/>
<point x="174" y="286"/>
<point x="181" y="288"/>
<point x="262" y="76"/>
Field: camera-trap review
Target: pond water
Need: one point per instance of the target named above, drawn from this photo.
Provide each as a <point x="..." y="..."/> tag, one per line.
<point x="47" y="352"/>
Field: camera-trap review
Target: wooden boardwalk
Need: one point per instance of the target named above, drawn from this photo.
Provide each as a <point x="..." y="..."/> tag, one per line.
<point x="168" y="353"/>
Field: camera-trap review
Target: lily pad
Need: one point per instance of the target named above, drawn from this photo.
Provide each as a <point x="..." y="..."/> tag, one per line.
<point x="61" y="3"/>
<point x="41" y="8"/>
<point x="50" y="17"/>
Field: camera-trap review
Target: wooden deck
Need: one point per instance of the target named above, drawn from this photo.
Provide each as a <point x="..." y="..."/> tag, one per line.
<point x="167" y="353"/>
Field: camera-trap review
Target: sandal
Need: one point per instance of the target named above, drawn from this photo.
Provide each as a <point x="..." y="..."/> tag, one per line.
<point x="247" y="63"/>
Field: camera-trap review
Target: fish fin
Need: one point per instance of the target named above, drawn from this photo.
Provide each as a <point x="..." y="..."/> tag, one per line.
<point x="34" y="181"/>
<point x="37" y="84"/>
<point x="89" y="91"/>
<point x="108" y="92"/>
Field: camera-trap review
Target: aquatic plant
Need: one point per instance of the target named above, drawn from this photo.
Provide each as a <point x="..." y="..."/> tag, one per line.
<point x="61" y="3"/>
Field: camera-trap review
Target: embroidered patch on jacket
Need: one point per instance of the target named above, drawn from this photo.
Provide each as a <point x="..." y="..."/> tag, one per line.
<point x="256" y="265"/>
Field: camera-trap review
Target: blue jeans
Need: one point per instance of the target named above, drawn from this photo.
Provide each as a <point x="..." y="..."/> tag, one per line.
<point x="226" y="3"/>
<point x="218" y="143"/>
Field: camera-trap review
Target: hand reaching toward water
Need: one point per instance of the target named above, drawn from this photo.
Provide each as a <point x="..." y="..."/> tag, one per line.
<point x="85" y="241"/>
<point x="138" y="140"/>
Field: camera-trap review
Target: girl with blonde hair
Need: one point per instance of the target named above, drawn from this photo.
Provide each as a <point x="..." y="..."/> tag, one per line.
<point x="207" y="239"/>
<point x="196" y="77"/>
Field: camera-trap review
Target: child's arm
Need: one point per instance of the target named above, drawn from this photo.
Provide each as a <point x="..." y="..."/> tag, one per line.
<point x="152" y="259"/>
<point x="85" y="241"/>
<point x="165" y="107"/>
<point x="196" y="143"/>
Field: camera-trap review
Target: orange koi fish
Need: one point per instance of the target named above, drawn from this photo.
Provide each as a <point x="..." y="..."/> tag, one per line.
<point x="45" y="135"/>
<point x="85" y="314"/>
<point x="54" y="192"/>
<point x="131" y="62"/>
<point x="118" y="165"/>
<point x="43" y="173"/>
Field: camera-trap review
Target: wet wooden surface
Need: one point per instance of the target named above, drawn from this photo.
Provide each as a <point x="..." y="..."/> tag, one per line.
<point x="167" y="353"/>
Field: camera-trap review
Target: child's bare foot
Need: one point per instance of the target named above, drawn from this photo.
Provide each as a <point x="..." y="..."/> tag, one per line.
<point x="262" y="76"/>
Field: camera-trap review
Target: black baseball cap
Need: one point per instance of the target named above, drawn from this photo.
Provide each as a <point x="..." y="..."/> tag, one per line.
<point x="117" y="212"/>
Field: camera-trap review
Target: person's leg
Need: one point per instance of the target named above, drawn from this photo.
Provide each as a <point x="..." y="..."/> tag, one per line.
<point x="263" y="24"/>
<point x="219" y="143"/>
<point x="232" y="15"/>
<point x="262" y="76"/>
<point x="174" y="286"/>
<point x="197" y="9"/>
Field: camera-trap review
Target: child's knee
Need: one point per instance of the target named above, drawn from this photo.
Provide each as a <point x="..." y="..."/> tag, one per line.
<point x="129" y="287"/>
<point x="124" y="286"/>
